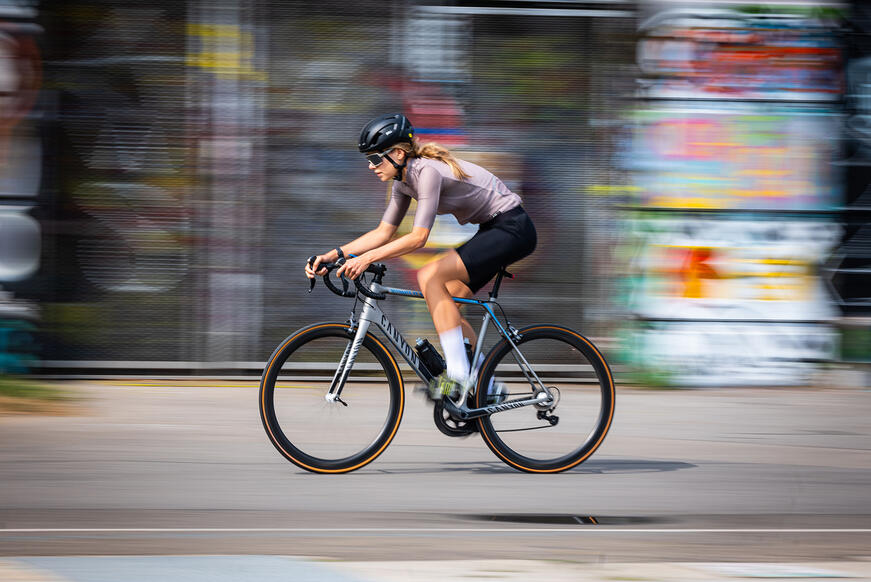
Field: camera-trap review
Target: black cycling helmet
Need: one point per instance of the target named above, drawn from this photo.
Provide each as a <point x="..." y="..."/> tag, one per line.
<point x="382" y="133"/>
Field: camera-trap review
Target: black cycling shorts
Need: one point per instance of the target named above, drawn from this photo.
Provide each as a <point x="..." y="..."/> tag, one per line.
<point x="500" y="241"/>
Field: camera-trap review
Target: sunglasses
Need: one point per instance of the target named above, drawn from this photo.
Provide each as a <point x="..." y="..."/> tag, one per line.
<point x="377" y="159"/>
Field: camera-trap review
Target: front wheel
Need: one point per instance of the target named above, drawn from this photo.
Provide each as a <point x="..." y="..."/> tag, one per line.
<point x="330" y="435"/>
<point x="558" y="436"/>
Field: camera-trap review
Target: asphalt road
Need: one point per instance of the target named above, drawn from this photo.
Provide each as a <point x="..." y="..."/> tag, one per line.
<point x="699" y="475"/>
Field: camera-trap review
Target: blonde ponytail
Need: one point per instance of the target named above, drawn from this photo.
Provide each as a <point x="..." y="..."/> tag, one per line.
<point x="435" y="151"/>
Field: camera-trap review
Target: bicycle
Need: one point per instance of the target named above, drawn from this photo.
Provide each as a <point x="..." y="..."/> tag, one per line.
<point x="332" y="394"/>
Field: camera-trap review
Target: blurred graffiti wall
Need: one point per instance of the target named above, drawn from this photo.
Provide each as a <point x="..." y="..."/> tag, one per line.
<point x="736" y="135"/>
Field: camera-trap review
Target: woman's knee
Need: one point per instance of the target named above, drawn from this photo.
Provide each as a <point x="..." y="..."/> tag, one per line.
<point x="425" y="274"/>
<point x="459" y="289"/>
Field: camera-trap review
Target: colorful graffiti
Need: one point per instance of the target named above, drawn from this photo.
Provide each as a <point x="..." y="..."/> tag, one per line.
<point x="698" y="354"/>
<point x="740" y="55"/>
<point x="725" y="294"/>
<point x="737" y="157"/>
<point x="698" y="268"/>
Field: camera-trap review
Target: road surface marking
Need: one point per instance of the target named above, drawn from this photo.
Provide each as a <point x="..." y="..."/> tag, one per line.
<point x="589" y="529"/>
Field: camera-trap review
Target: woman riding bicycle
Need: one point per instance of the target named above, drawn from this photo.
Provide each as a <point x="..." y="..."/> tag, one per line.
<point x="441" y="184"/>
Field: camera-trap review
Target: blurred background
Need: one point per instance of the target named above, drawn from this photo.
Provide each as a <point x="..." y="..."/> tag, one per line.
<point x="697" y="172"/>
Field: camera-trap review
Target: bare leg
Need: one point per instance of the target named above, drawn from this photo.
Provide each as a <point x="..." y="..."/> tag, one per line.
<point x="438" y="281"/>
<point x="433" y="280"/>
<point x="457" y="288"/>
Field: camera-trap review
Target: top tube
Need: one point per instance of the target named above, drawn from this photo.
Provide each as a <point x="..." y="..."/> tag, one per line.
<point x="381" y="268"/>
<point x="486" y="305"/>
<point x="419" y="295"/>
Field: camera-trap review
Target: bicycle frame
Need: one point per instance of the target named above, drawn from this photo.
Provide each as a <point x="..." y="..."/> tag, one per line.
<point x="371" y="313"/>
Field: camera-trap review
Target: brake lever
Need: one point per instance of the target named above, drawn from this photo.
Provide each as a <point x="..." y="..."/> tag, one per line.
<point x="346" y="284"/>
<point x="311" y="282"/>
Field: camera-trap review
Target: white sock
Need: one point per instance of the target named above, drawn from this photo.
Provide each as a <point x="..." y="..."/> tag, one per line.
<point x="455" y="354"/>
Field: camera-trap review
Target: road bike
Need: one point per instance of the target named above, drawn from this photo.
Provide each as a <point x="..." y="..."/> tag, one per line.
<point x="332" y="394"/>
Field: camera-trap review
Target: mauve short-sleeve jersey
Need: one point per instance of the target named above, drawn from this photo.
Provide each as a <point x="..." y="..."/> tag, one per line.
<point x="432" y="183"/>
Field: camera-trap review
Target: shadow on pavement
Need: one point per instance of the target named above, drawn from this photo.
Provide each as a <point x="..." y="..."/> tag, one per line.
<point x="604" y="467"/>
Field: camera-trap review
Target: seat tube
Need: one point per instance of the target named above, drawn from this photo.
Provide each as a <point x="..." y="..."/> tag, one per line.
<point x="479" y="343"/>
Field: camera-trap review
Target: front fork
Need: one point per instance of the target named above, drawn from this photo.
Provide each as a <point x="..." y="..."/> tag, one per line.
<point x="347" y="361"/>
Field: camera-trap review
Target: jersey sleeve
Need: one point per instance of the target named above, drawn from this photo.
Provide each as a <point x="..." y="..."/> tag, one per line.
<point x="429" y="187"/>
<point x="396" y="207"/>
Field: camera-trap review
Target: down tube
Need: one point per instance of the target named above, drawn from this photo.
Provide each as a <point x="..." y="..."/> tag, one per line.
<point x="373" y="314"/>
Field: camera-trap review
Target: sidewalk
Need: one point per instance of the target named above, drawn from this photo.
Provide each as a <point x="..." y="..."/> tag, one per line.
<point x="281" y="568"/>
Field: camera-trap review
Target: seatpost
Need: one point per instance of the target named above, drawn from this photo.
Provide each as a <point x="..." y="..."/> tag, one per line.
<point x="495" y="291"/>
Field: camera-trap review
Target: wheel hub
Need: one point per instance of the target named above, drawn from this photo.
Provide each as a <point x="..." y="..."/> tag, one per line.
<point x="550" y="403"/>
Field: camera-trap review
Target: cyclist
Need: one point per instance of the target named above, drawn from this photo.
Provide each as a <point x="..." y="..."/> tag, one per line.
<point x="441" y="184"/>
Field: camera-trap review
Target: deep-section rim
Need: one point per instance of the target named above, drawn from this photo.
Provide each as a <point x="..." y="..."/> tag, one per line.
<point x="279" y="439"/>
<point x="572" y="459"/>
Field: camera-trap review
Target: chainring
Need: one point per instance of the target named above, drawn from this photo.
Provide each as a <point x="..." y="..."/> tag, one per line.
<point x="451" y="426"/>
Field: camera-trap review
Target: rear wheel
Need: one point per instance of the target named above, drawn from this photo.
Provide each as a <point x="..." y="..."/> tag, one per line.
<point x="330" y="436"/>
<point x="561" y="435"/>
